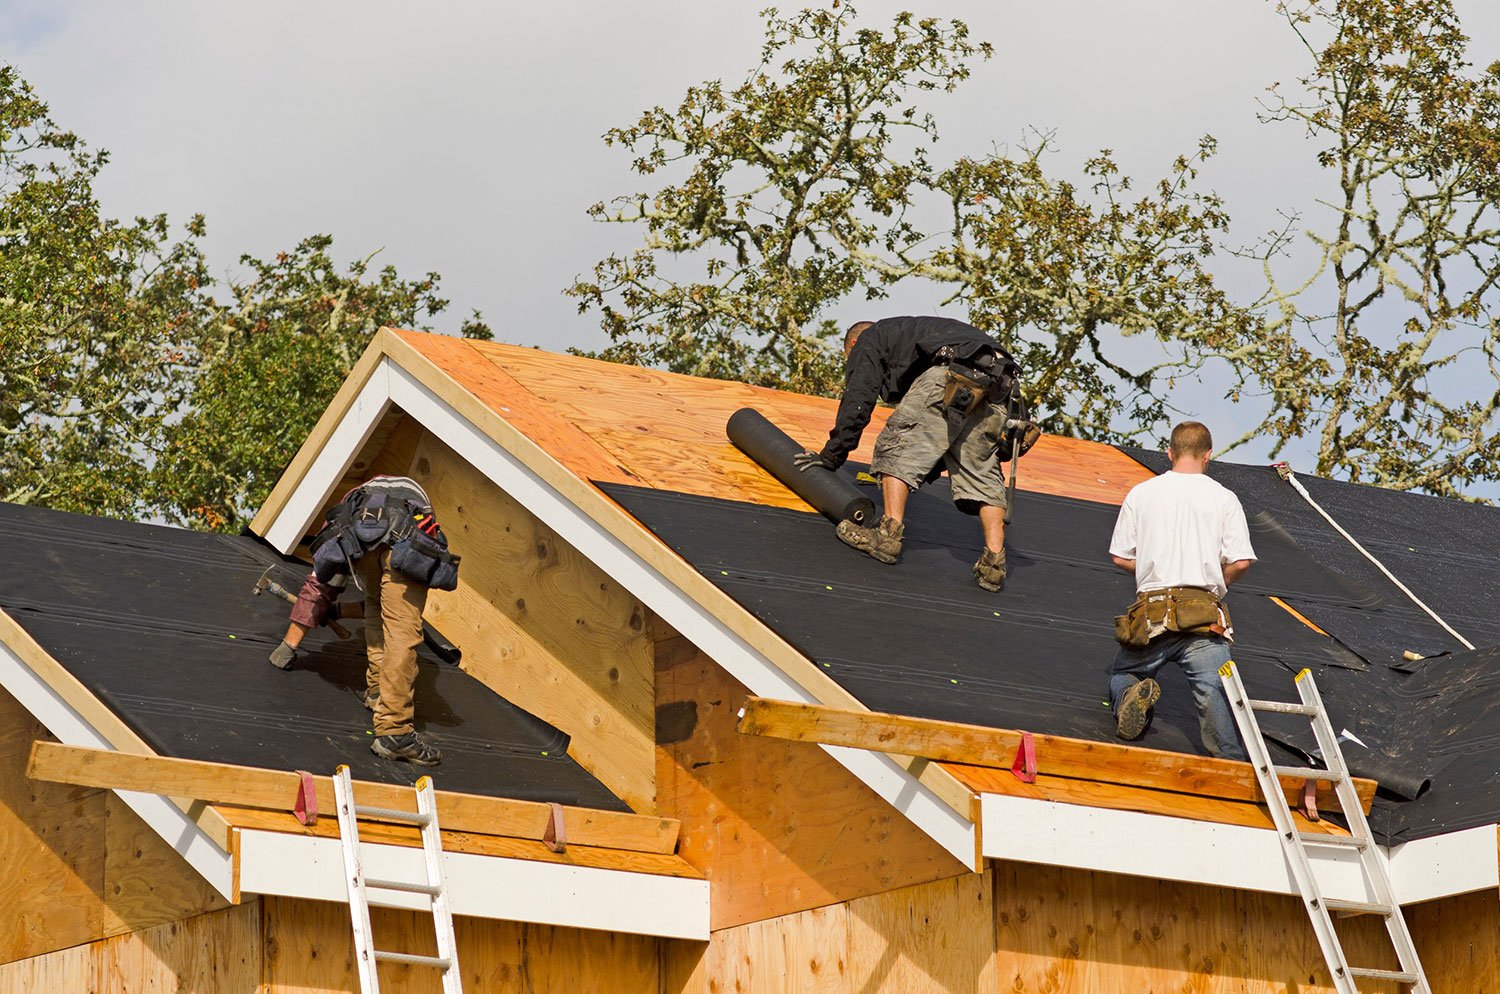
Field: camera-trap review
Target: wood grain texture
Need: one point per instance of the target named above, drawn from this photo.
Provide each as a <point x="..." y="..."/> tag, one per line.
<point x="659" y="864"/>
<point x="276" y="790"/>
<point x="934" y="938"/>
<point x="543" y="626"/>
<point x="215" y="953"/>
<point x="1458" y="939"/>
<point x="777" y="827"/>
<point x="145" y="881"/>
<point x="989" y="752"/>
<point x="309" y="951"/>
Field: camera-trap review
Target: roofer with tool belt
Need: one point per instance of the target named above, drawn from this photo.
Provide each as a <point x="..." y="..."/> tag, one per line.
<point x="384" y="534"/>
<point x="1185" y="539"/>
<point x="959" y="406"/>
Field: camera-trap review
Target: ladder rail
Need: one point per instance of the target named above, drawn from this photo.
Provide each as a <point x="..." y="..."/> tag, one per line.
<point x="1374" y="867"/>
<point x="354" y="879"/>
<point x="1286" y="830"/>
<point x="1375" y="863"/>
<point x="433" y="887"/>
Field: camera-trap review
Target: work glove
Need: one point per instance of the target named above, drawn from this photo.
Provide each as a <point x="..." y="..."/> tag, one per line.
<point x="283" y="656"/>
<point x="805" y="461"/>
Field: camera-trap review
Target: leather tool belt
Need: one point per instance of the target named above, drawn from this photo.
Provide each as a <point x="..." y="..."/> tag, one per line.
<point x="1174" y="609"/>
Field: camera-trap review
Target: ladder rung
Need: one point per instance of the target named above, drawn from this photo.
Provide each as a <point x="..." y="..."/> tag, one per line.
<point x="1284" y="707"/>
<point x="411" y="959"/>
<point x="391" y="814"/>
<point x="1338" y="841"/>
<point x="1399" y="976"/>
<point x="403" y="885"/>
<point x="1356" y="907"/>
<point x="1308" y="773"/>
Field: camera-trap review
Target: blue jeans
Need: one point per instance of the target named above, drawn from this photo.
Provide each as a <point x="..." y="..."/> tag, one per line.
<point x="1200" y="657"/>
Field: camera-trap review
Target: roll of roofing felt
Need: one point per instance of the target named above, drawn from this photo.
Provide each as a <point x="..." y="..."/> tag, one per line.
<point x="773" y="449"/>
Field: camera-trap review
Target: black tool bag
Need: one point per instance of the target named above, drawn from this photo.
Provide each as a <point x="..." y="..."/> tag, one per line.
<point x="363" y="522"/>
<point x="978" y="374"/>
<point x="426" y="559"/>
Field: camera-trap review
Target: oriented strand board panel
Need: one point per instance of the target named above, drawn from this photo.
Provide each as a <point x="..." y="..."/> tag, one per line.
<point x="76" y="864"/>
<point x="543" y="626"/>
<point x="215" y="953"/>
<point x="309" y="951"/>
<point x="627" y="424"/>
<point x="777" y="826"/>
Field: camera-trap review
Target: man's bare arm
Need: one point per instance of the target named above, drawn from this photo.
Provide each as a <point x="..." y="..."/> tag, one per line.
<point x="1233" y="571"/>
<point x="1128" y="565"/>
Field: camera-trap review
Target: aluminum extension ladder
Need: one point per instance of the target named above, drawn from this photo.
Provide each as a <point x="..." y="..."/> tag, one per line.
<point x="1294" y="844"/>
<point x="366" y="956"/>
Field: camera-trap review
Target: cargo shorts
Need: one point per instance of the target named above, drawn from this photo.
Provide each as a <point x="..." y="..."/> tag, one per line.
<point x="922" y="432"/>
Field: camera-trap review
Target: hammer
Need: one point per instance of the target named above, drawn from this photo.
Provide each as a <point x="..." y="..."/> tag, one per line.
<point x="265" y="583"/>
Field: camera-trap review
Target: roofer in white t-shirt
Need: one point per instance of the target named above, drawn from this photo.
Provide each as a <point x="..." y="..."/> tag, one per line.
<point x="1185" y="538"/>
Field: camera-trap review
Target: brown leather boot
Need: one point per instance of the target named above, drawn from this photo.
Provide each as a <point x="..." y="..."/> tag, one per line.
<point x="989" y="572"/>
<point x="883" y="542"/>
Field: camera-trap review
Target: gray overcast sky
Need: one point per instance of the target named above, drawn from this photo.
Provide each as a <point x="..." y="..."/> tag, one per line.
<point x="463" y="137"/>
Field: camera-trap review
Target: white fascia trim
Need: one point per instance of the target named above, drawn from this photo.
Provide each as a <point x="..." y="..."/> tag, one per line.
<point x="745" y="663"/>
<point x="285" y="865"/>
<point x="1054" y="833"/>
<point x="1443" y="865"/>
<point x="165" y="818"/>
<point x="332" y="462"/>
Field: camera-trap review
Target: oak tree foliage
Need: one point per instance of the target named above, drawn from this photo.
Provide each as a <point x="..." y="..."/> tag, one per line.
<point x="1383" y="351"/>
<point x="132" y="382"/>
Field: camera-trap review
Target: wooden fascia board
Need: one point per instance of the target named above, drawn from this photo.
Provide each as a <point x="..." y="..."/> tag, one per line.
<point x="1058" y="756"/>
<point x="98" y="716"/>
<point x="291" y="478"/>
<point x="251" y="787"/>
<point x="653" y="552"/>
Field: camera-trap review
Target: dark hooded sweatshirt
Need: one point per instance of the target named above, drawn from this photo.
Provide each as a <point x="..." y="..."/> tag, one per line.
<point x="887" y="359"/>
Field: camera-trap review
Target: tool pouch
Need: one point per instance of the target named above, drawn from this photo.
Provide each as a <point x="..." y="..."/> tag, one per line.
<point x="1175" y="609"/>
<point x="426" y="559"/>
<point x="964" y="393"/>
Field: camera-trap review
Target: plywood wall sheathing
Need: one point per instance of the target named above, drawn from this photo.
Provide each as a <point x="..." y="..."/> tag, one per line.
<point x="542" y="625"/>
<point x="776" y="826"/>
<point x="308" y="951"/>
<point x="76" y="864"/>
<point x="215" y="953"/>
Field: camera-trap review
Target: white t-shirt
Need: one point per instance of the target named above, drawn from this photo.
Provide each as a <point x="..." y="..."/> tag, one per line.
<point x="1181" y="528"/>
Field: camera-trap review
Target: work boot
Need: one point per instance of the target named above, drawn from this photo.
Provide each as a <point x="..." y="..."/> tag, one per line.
<point x="1135" y="709"/>
<point x="989" y="572"/>
<point x="283" y="656"/>
<point x="883" y="542"/>
<point x="410" y="747"/>
<point x="372" y="698"/>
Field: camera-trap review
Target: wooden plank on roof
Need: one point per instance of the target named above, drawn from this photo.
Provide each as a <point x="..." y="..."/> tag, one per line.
<point x="975" y="745"/>
<point x="221" y="783"/>
<point x="663" y="864"/>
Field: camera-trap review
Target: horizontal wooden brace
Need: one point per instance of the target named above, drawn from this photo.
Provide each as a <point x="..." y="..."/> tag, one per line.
<point x="975" y="745"/>
<point x="251" y="787"/>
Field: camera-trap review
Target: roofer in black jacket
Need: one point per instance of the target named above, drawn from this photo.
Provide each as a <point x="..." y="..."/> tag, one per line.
<point x="952" y="384"/>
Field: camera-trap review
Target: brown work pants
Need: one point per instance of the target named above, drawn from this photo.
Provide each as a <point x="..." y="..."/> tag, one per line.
<point x="393" y="630"/>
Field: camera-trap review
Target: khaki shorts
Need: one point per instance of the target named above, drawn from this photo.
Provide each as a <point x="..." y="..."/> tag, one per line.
<point x="922" y="432"/>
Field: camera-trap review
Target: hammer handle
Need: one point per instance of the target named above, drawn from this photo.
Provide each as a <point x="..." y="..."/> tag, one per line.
<point x="291" y="598"/>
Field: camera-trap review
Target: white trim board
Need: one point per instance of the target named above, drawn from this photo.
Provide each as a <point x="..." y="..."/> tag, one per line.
<point x="743" y="661"/>
<point x="164" y="818"/>
<point x="1054" y="833"/>
<point x="286" y="865"/>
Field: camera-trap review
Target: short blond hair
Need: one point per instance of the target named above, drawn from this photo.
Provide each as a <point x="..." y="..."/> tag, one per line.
<point x="1191" y="438"/>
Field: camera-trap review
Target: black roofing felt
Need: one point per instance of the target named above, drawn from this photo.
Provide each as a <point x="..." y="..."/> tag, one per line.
<point x="161" y="625"/>
<point x="920" y="638"/>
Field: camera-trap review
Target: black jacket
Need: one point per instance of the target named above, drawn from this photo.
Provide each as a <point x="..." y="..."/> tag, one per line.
<point x="888" y="357"/>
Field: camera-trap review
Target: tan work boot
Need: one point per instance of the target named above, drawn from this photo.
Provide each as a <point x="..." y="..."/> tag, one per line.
<point x="989" y="572"/>
<point x="1135" y="709"/>
<point x="883" y="542"/>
